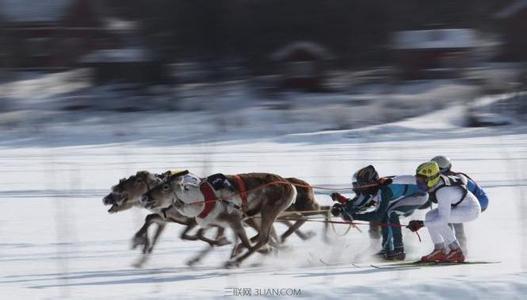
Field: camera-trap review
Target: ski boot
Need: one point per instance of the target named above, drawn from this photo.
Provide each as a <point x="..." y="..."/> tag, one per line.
<point x="381" y="254"/>
<point x="438" y="255"/>
<point x="455" y="256"/>
<point x="396" y="254"/>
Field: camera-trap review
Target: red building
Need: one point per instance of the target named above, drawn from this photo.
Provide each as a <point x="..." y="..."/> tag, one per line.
<point x="434" y="52"/>
<point x="302" y="65"/>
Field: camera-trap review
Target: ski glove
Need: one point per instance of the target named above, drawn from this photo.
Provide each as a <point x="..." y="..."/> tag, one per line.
<point x="336" y="209"/>
<point x="338" y="197"/>
<point x="415" y="225"/>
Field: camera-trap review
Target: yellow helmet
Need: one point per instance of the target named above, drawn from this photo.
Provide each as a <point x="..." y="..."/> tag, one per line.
<point x="428" y="173"/>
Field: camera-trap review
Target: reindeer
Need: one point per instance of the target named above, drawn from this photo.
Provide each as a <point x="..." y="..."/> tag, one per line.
<point x="128" y="192"/>
<point x="305" y="202"/>
<point x="256" y="193"/>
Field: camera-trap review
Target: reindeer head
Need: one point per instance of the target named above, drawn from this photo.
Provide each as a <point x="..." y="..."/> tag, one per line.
<point x="128" y="191"/>
<point x="179" y="190"/>
<point x="164" y="194"/>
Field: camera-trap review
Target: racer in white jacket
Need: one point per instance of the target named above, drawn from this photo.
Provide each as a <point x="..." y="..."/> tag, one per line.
<point x="456" y="204"/>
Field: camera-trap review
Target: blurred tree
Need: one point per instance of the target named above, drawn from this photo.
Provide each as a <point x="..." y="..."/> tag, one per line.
<point x="356" y="31"/>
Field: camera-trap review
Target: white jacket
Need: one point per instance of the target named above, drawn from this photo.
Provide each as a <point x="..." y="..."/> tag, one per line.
<point x="450" y="197"/>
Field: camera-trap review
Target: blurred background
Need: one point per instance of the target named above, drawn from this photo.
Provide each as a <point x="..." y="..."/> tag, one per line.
<point x="243" y="64"/>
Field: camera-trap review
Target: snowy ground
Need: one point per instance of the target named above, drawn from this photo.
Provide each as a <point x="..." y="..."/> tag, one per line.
<point x="58" y="241"/>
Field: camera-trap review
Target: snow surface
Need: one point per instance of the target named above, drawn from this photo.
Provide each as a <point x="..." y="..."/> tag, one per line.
<point x="58" y="242"/>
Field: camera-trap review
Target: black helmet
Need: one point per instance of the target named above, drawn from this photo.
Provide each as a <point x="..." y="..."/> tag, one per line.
<point x="366" y="180"/>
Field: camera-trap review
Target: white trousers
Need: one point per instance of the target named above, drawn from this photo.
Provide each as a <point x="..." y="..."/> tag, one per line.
<point x="438" y="227"/>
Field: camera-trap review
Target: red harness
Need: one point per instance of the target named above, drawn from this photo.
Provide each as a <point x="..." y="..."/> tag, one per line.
<point x="243" y="191"/>
<point x="210" y="198"/>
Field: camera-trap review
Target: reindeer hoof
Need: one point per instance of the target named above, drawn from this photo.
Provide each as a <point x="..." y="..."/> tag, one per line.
<point x="137" y="241"/>
<point x="146" y="249"/>
<point x="222" y="242"/>
<point x="264" y="250"/>
<point x="192" y="262"/>
<point x="237" y="250"/>
<point x="310" y="234"/>
<point x="139" y="264"/>
<point x="231" y="264"/>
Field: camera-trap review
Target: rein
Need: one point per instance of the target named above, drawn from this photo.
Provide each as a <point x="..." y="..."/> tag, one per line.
<point x="353" y="224"/>
<point x="246" y="192"/>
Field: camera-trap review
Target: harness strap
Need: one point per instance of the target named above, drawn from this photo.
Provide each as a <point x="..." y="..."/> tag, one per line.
<point x="164" y="212"/>
<point x="243" y="191"/>
<point x="447" y="182"/>
<point x="210" y="199"/>
<point x="465" y="191"/>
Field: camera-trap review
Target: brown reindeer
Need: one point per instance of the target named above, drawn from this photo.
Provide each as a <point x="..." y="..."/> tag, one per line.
<point x="305" y="202"/>
<point x="304" y="205"/>
<point x="256" y="193"/>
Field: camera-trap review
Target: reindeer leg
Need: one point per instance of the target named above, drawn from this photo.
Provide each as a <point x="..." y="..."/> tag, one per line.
<point x="254" y="224"/>
<point x="141" y="261"/>
<point x="294" y="228"/>
<point x="221" y="240"/>
<point x="198" y="236"/>
<point x="201" y="236"/>
<point x="185" y="236"/>
<point x="273" y="237"/>
<point x="264" y="238"/>
<point x="160" y="228"/>
<point x="235" y="250"/>
<point x="141" y="236"/>
<point x="267" y="223"/>
<point x="274" y="242"/>
<point x="240" y="233"/>
<point x="200" y="256"/>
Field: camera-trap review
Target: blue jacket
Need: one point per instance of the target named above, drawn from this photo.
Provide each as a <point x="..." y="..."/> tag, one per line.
<point x="401" y="187"/>
<point x="475" y="189"/>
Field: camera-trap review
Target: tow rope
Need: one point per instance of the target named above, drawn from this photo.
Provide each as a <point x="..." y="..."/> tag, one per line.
<point x="243" y="194"/>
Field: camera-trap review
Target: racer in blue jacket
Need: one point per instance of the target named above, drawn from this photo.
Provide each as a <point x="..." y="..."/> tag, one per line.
<point x="391" y="197"/>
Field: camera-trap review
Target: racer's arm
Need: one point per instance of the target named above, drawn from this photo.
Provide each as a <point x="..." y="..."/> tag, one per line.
<point x="475" y="189"/>
<point x="378" y="214"/>
<point x="404" y="179"/>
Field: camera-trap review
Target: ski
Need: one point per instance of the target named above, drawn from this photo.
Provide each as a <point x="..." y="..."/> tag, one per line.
<point x="429" y="264"/>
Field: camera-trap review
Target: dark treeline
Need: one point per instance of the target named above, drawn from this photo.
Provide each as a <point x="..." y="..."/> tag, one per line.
<point x="356" y="31"/>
